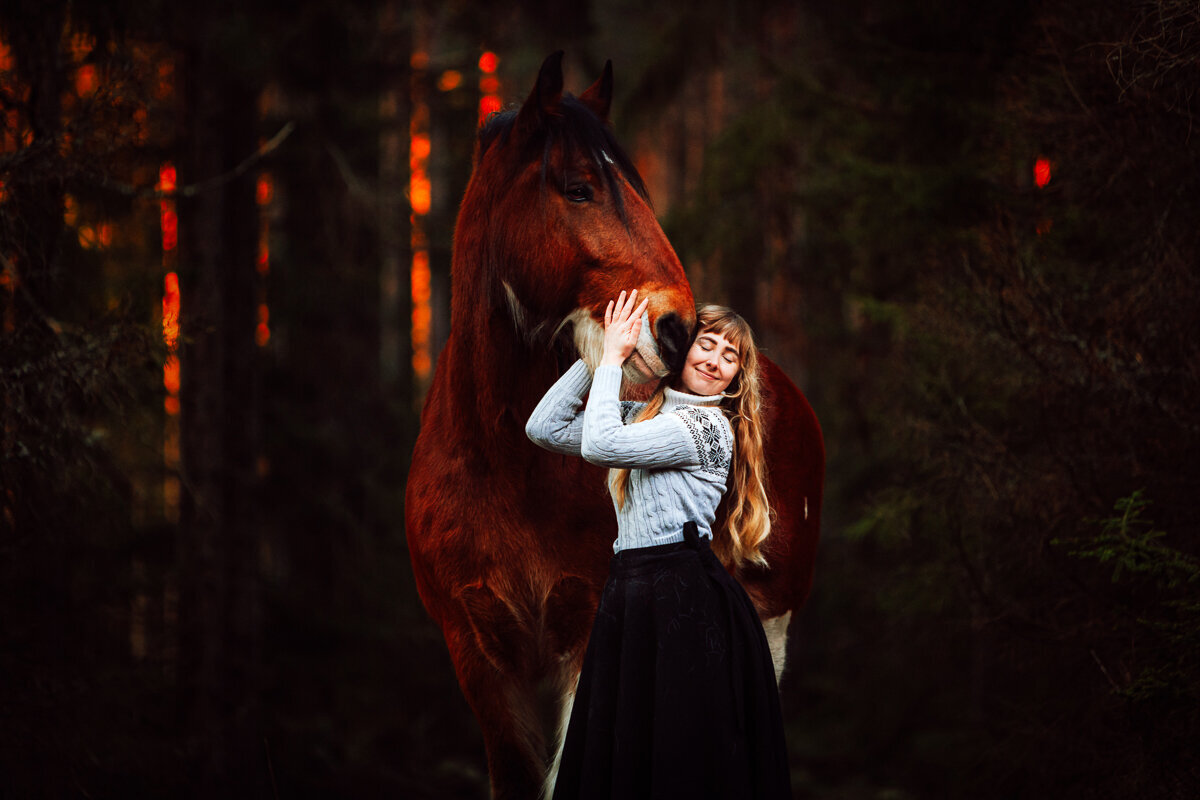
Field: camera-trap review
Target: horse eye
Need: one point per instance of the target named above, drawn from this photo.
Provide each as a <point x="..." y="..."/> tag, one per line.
<point x="579" y="193"/>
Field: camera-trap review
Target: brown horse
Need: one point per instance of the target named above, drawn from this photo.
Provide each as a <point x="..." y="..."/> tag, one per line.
<point x="509" y="543"/>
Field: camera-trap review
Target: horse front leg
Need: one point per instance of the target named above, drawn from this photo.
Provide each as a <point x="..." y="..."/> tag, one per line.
<point x="518" y="671"/>
<point x="496" y="650"/>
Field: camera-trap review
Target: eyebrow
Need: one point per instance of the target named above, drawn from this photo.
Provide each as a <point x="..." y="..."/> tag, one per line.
<point x="712" y="339"/>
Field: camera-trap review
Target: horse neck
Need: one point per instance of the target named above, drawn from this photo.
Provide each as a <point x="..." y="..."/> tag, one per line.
<point x="494" y="377"/>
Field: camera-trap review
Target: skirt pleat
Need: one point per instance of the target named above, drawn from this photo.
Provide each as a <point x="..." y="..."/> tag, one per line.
<point x="677" y="695"/>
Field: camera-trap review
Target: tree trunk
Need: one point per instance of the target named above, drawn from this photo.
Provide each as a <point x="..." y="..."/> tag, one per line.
<point x="220" y="604"/>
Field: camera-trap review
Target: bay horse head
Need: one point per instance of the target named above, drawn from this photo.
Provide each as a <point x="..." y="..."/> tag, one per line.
<point x="559" y="221"/>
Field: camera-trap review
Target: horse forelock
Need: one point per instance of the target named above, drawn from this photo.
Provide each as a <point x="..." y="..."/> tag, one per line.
<point x="576" y="129"/>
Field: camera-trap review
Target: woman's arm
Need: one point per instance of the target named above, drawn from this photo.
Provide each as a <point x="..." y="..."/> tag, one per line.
<point x="556" y="424"/>
<point x="663" y="441"/>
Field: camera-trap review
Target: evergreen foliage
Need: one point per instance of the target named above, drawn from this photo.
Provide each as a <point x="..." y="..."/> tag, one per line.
<point x="1008" y="599"/>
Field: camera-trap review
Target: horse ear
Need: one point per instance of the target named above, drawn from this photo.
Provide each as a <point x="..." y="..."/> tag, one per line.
<point x="546" y="98"/>
<point x="598" y="97"/>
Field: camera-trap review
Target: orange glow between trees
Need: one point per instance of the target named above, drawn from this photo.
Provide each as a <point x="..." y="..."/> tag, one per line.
<point x="171" y="299"/>
<point x="170" y="323"/>
<point x="420" y="189"/>
<point x="489" y="85"/>
<point x="422" y="313"/>
<point x="170" y="311"/>
<point x="420" y="198"/>
<point x="1041" y="172"/>
<point x="86" y="80"/>
<point x="263" y="195"/>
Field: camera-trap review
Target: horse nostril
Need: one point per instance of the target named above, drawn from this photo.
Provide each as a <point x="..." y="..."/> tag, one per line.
<point x="673" y="339"/>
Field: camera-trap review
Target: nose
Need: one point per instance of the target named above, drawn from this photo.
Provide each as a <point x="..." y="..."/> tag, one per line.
<point x="673" y="340"/>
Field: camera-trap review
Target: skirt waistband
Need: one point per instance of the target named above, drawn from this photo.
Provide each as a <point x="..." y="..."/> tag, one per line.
<point x="643" y="559"/>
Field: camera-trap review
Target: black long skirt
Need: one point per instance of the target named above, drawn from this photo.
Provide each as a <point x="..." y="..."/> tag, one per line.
<point x="677" y="696"/>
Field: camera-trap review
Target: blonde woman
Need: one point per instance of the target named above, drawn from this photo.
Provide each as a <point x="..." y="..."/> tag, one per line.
<point x="677" y="695"/>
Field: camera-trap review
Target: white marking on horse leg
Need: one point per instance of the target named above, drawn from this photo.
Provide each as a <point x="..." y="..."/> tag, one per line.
<point x="776" y="629"/>
<point x="527" y="731"/>
<point x="570" y="680"/>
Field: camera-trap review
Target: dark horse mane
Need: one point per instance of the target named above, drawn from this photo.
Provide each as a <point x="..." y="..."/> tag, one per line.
<point x="574" y="129"/>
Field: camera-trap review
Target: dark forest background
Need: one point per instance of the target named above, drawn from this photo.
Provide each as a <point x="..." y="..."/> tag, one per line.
<point x="968" y="232"/>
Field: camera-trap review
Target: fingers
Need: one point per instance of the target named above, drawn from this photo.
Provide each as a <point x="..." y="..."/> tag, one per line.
<point x="635" y="318"/>
<point x="625" y="305"/>
<point x="625" y="309"/>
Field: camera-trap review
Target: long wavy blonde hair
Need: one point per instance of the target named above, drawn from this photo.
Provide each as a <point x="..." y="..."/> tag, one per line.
<point x="749" y="519"/>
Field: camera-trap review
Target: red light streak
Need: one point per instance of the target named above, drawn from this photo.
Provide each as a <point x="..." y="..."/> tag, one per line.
<point x="420" y="196"/>
<point x="170" y="322"/>
<point x="264" y="194"/>
<point x="171" y="302"/>
<point x="1041" y="172"/>
<point x="488" y="105"/>
<point x="170" y="311"/>
<point x="262" y="332"/>
<point x="86" y="80"/>
<point x="166" y="178"/>
<point x="489" y="86"/>
<point x="264" y="190"/>
<point x="170" y="227"/>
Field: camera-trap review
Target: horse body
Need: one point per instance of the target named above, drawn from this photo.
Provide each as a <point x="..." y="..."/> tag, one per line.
<point x="509" y="543"/>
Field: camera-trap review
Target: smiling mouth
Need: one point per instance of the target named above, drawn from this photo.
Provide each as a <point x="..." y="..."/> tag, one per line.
<point x="705" y="374"/>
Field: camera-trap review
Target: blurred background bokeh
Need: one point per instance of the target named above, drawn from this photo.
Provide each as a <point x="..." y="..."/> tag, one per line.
<point x="968" y="231"/>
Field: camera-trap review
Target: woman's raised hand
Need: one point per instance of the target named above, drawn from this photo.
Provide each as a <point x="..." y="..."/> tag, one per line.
<point x="622" y="325"/>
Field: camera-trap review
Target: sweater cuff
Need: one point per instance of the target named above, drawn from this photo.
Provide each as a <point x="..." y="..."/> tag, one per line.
<point x="607" y="381"/>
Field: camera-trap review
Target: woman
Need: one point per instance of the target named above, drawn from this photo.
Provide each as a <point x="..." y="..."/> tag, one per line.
<point x="677" y="695"/>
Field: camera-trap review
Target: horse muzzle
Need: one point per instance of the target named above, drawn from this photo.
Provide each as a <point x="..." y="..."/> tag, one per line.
<point x="654" y="357"/>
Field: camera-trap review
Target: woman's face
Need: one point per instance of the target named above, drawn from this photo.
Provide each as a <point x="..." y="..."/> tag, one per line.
<point x="710" y="365"/>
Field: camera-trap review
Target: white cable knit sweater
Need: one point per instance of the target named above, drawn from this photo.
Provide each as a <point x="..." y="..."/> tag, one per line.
<point x="678" y="459"/>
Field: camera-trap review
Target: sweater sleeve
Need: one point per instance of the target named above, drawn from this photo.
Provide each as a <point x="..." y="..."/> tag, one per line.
<point x="557" y="422"/>
<point x="659" y="442"/>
